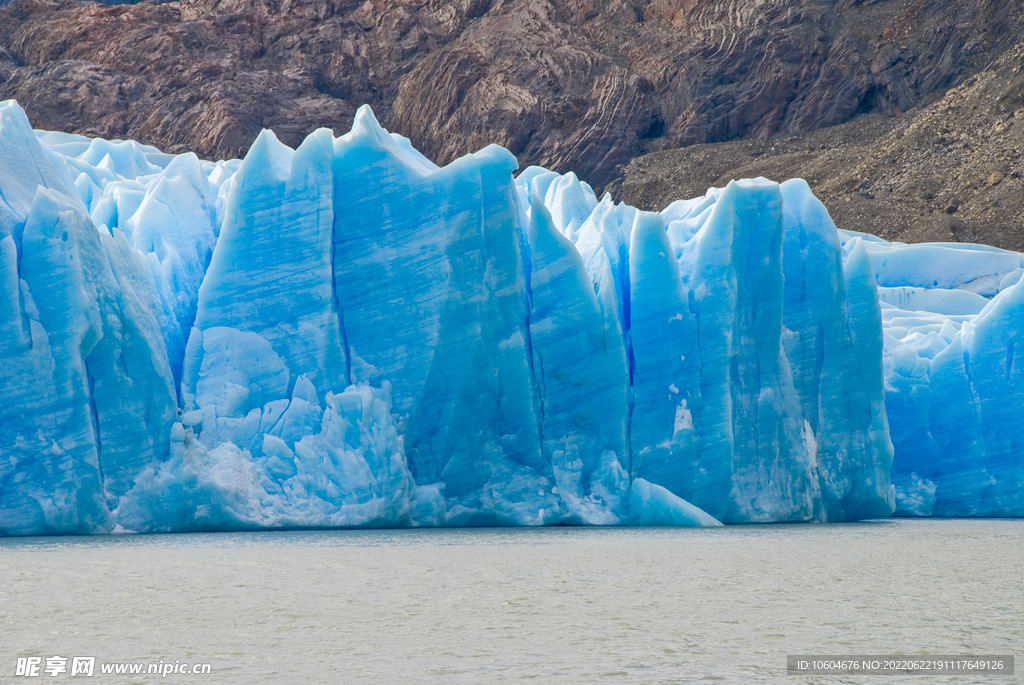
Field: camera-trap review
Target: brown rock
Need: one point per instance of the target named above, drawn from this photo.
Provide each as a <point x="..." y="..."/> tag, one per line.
<point x="921" y="191"/>
<point x="571" y="84"/>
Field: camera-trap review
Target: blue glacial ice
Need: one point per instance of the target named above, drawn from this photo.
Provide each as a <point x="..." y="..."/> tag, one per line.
<point x="346" y="334"/>
<point x="951" y="318"/>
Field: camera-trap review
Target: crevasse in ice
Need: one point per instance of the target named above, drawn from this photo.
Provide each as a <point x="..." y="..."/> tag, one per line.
<point x="346" y="334"/>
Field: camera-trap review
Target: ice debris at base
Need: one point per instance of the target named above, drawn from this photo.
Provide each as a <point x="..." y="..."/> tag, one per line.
<point x="345" y="334"/>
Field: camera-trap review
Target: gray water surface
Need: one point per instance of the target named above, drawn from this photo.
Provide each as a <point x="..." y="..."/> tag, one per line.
<point x="562" y="605"/>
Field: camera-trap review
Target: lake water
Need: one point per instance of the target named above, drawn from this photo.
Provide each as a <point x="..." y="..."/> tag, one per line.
<point x="560" y="605"/>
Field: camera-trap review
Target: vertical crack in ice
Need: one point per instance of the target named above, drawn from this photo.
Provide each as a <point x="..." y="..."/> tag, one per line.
<point x="541" y="393"/>
<point x="336" y="303"/>
<point x="26" y="320"/>
<point x="95" y="416"/>
<point x="526" y="264"/>
<point x="631" y="402"/>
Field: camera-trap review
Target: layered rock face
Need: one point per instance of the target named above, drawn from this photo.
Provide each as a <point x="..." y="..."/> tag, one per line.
<point x="568" y="84"/>
<point x="946" y="171"/>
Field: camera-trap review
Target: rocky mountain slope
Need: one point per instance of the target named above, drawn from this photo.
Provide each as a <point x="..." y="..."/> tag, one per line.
<point x="570" y="84"/>
<point x="948" y="171"/>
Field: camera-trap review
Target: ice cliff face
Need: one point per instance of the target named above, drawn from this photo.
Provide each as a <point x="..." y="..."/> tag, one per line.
<point x="345" y="334"/>
<point x="951" y="318"/>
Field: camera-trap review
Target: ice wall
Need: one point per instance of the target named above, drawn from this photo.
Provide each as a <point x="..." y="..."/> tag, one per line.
<point x="952" y="315"/>
<point x="346" y="334"/>
<point x="87" y="395"/>
<point x="756" y="393"/>
<point x="430" y="288"/>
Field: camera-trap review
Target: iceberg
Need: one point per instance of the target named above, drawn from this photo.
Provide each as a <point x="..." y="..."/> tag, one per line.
<point x="346" y="334"/>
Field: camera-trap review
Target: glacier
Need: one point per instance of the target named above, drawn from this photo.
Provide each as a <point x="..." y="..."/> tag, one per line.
<point x="345" y="334"/>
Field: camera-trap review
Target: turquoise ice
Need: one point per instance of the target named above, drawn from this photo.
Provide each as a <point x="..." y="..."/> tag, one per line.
<point x="346" y="334"/>
<point x="953" y="382"/>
